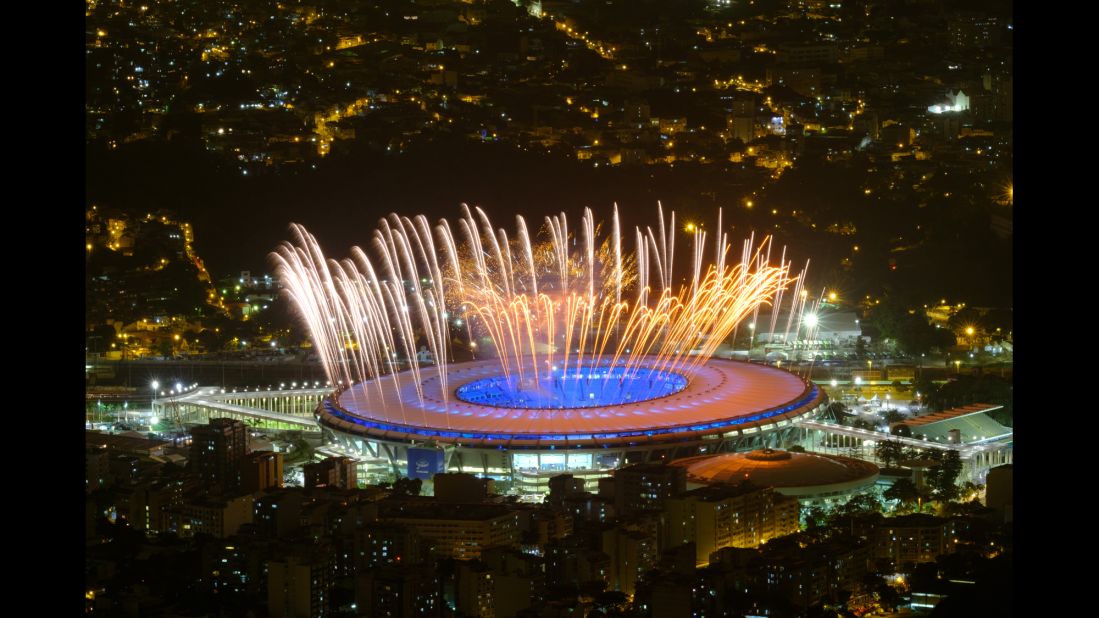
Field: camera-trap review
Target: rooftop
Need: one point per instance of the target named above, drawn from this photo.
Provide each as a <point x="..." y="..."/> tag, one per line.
<point x="953" y="413"/>
<point x="972" y="422"/>
<point x="779" y="469"/>
<point x="403" y="509"/>
<point x="721" y="395"/>
<point x="124" y="443"/>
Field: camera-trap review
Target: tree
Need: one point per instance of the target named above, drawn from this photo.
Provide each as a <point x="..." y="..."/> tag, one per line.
<point x="815" y="517"/>
<point x="973" y="508"/>
<point x="965" y="317"/>
<point x="100" y="338"/>
<point x="925" y="386"/>
<point x="797" y="448"/>
<point x="405" y="486"/>
<point x="1000" y="320"/>
<point x="862" y="423"/>
<point x="888" y="597"/>
<point x="837" y="412"/>
<point x="892" y="416"/>
<point x="210" y="340"/>
<point x="970" y="488"/>
<point x="861" y="504"/>
<point x="911" y="453"/>
<point x="973" y="389"/>
<point x="944" y="478"/>
<point x="860" y="348"/>
<point x="904" y="491"/>
<point x="912" y="331"/>
<point x="611" y="600"/>
<point x="901" y="430"/>
<point x="889" y="451"/>
<point x="821" y="610"/>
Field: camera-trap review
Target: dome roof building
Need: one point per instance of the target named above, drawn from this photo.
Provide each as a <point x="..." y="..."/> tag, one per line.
<point x="807" y="476"/>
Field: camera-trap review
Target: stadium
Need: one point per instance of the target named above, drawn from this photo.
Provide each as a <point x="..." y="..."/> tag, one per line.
<point x="586" y="356"/>
<point x="721" y="406"/>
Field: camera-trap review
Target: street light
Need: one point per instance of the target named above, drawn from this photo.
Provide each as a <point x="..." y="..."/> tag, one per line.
<point x="752" y="339"/>
<point x="154" y="385"/>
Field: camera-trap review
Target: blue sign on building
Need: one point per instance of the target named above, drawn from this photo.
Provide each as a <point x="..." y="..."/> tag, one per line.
<point x="424" y="463"/>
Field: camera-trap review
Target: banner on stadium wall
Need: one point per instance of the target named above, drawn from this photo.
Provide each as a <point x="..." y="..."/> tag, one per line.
<point x="424" y="463"/>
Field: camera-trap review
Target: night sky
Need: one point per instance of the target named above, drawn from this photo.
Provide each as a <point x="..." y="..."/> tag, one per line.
<point x="239" y="220"/>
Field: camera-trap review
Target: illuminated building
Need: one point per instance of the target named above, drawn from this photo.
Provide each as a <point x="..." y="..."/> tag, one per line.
<point x="300" y="585"/>
<point x="460" y="531"/>
<point x="339" y="472"/>
<point x="809" y="477"/>
<point x="260" y="471"/>
<point x="914" y="538"/>
<point x="728" y="516"/>
<point x="218" y="516"/>
<point x="217" y="450"/>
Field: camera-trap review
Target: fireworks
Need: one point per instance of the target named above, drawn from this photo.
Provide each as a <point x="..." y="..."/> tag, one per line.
<point x="556" y="304"/>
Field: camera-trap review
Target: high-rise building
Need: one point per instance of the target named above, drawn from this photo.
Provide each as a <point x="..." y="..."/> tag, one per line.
<point x="218" y="516"/>
<point x="743" y="515"/>
<point x="564" y="485"/>
<point x="400" y="591"/>
<point x="539" y="525"/>
<point x="999" y="490"/>
<point x="475" y="590"/>
<point x="572" y="560"/>
<point x="217" y="450"/>
<point x="96" y="468"/>
<point x="339" y="472"/>
<point x="971" y="30"/>
<point x="807" y="54"/>
<point x="809" y="575"/>
<point x="260" y="471"/>
<point x="918" y="537"/>
<point x="148" y="502"/>
<point x="589" y="507"/>
<point x="645" y="487"/>
<point x="124" y="468"/>
<point x="299" y="585"/>
<point x="460" y="487"/>
<point x="277" y="514"/>
<point x="460" y="531"/>
<point x="387" y="544"/>
<point x="632" y="553"/>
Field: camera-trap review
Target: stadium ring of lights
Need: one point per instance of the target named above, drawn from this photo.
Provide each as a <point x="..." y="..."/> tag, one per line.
<point x="722" y="399"/>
